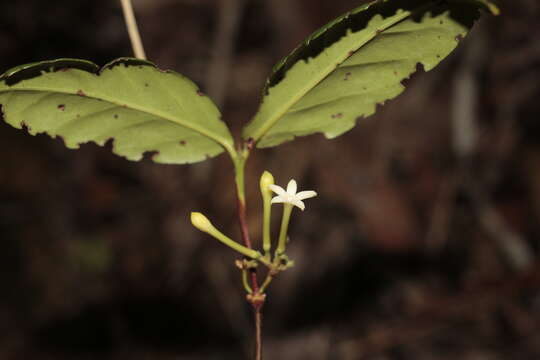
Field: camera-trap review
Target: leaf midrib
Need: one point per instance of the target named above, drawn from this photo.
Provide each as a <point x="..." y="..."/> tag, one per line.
<point x="228" y="147"/>
<point x="273" y="120"/>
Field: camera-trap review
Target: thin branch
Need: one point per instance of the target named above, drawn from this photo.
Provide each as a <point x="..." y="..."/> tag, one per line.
<point x="133" y="30"/>
<point x="258" y="334"/>
<point x="243" y="224"/>
<point x="256" y="298"/>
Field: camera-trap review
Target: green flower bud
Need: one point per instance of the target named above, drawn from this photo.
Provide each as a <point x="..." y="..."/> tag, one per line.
<point x="266" y="180"/>
<point x="201" y="222"/>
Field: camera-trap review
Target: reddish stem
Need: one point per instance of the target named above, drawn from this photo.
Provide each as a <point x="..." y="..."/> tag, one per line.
<point x="256" y="299"/>
<point x="258" y="334"/>
<point x="243" y="224"/>
<point x="247" y="242"/>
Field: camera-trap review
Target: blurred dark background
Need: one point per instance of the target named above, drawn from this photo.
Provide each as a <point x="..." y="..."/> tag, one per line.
<point x="422" y="244"/>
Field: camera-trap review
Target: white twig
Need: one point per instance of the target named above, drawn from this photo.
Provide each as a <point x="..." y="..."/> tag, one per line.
<point x="133" y="30"/>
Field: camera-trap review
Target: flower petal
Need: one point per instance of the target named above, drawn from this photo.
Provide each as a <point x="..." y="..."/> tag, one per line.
<point x="292" y="187"/>
<point x="277" y="199"/>
<point x="299" y="204"/>
<point x="277" y="189"/>
<point x="302" y="195"/>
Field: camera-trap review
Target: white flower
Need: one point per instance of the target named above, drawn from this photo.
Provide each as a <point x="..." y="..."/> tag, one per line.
<point x="291" y="196"/>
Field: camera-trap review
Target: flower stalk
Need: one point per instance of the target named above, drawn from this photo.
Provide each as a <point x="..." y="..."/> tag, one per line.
<point x="248" y="265"/>
<point x="282" y="242"/>
<point x="202" y="223"/>
<point x="289" y="198"/>
<point x="266" y="180"/>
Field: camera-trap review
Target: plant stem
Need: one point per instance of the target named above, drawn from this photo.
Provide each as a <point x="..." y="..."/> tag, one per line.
<point x="202" y="223"/>
<point x="258" y="334"/>
<point x="248" y="252"/>
<point x="245" y="281"/>
<point x="256" y="299"/>
<point x="266" y="282"/>
<point x="239" y="167"/>
<point x="282" y="242"/>
<point x="267" y="211"/>
<point x="239" y="160"/>
<point x="133" y="30"/>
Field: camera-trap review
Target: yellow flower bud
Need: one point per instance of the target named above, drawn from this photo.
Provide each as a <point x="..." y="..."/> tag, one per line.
<point x="201" y="222"/>
<point x="266" y="180"/>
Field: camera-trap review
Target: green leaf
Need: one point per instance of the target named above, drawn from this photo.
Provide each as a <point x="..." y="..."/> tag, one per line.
<point x="141" y="108"/>
<point x="345" y="69"/>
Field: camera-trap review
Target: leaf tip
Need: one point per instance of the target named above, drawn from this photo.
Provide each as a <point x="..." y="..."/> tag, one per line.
<point x="491" y="7"/>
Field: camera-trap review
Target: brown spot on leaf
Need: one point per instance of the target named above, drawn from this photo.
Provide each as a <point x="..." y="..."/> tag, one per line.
<point x="458" y="37"/>
<point x="395" y="72"/>
<point x="337" y="116"/>
<point x="183" y="142"/>
<point x="146" y="85"/>
<point x="347" y="76"/>
<point x="61" y="107"/>
<point x="200" y="93"/>
<point x="116" y="116"/>
<point x="80" y="93"/>
<point x="351" y="53"/>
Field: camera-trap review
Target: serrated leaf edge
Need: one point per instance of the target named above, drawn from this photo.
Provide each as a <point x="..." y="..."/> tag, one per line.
<point x="331" y="67"/>
<point x="228" y="146"/>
